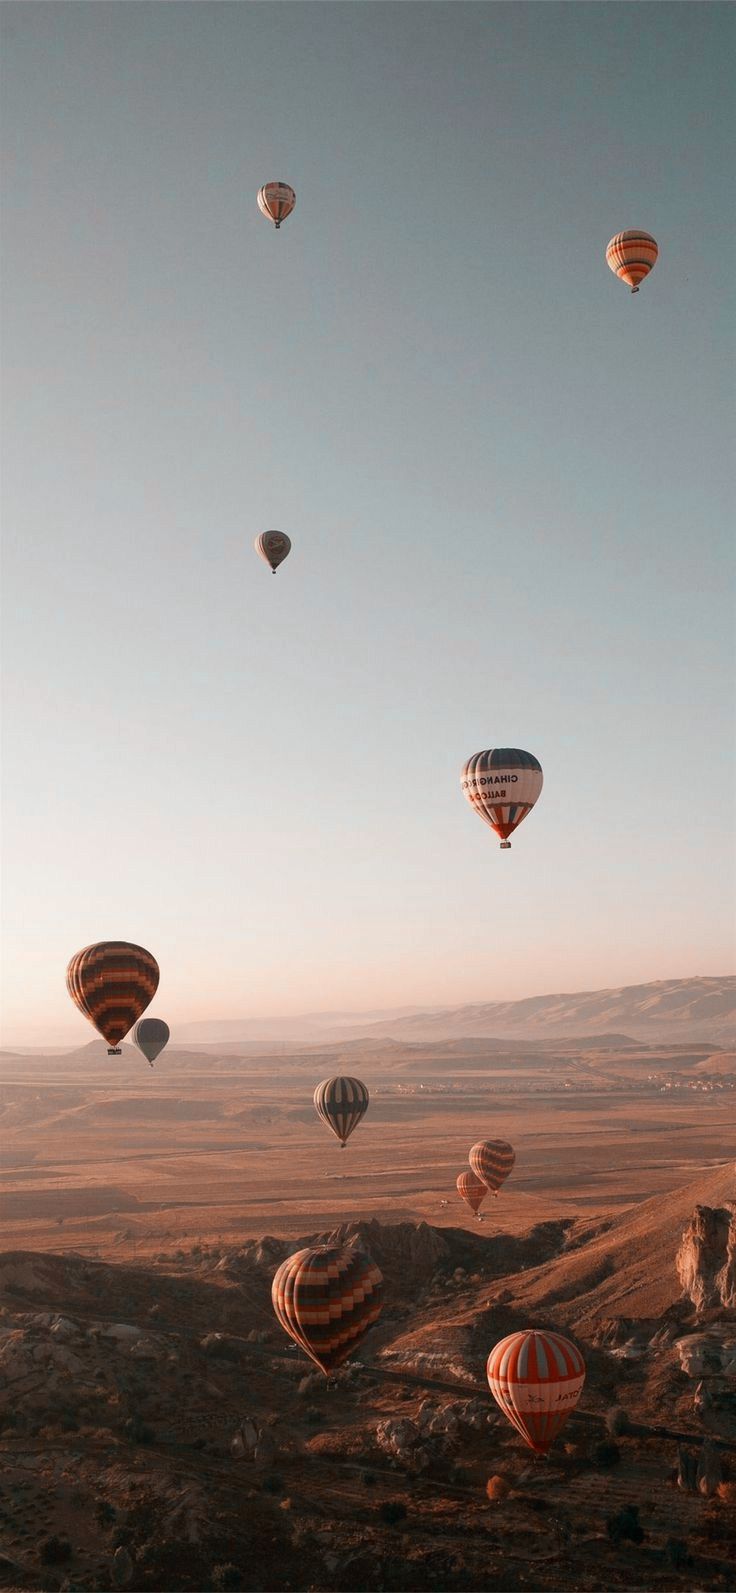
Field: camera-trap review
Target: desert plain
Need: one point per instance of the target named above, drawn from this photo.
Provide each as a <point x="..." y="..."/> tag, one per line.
<point x="158" y="1430"/>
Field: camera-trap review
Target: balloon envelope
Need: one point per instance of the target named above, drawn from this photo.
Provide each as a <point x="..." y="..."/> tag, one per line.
<point x="274" y="547"/>
<point x="151" y="1035"/>
<point x="112" y="983"/>
<point x="502" y="786"/>
<point x="492" y="1160"/>
<point x="537" y="1379"/>
<point x="326" y="1298"/>
<point x="276" y="201"/>
<point x="631" y="256"/>
<point x="341" y="1103"/>
<point x="471" y="1190"/>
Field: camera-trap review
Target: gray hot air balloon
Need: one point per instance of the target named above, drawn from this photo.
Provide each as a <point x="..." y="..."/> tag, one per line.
<point x="274" y="547"/>
<point x="151" y="1035"/>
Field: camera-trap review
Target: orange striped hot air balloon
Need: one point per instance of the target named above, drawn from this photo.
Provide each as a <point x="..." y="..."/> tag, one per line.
<point x="276" y="201"/>
<point x="472" y="1191"/>
<point x="536" y="1378"/>
<point x="631" y="256"/>
<point x="326" y="1299"/>
<point x="502" y="785"/>
<point x="112" y="983"/>
<point x="492" y="1160"/>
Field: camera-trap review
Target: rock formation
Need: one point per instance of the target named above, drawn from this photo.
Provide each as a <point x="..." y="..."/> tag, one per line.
<point x="706" y="1259"/>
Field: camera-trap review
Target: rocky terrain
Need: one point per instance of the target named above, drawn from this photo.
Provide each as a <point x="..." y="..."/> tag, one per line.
<point x="158" y="1431"/>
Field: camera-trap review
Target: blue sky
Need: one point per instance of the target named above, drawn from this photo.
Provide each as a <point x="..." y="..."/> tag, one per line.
<point x="505" y="478"/>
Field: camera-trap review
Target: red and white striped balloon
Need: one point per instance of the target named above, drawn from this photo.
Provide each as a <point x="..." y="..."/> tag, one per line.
<point x="536" y="1377"/>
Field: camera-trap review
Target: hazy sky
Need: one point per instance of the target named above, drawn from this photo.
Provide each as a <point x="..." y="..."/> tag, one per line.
<point x="506" y="481"/>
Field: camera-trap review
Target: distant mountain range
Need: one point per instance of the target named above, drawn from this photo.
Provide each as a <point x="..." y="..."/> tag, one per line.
<point x="668" y="1009"/>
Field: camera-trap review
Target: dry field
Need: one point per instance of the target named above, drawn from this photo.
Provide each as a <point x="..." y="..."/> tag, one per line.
<point x="111" y="1159"/>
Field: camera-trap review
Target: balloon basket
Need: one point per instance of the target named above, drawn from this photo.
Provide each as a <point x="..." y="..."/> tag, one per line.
<point x="505" y="846"/>
<point x="114" y="1050"/>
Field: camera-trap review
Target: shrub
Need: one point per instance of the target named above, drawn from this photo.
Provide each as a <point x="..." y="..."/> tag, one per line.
<point x="369" y="1479"/>
<point x="605" y="1455"/>
<point x="625" y="1525"/>
<point x="274" y="1483"/>
<point x="676" y="1553"/>
<point x="393" y="1511"/>
<point x="225" y="1577"/>
<point x="54" y="1551"/>
<point x="137" y="1432"/>
<point x="617" y="1421"/>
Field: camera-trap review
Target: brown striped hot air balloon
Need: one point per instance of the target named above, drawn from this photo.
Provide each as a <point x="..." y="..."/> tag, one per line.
<point x="631" y="256"/>
<point x="472" y="1191"/>
<point x="276" y="201"/>
<point x="492" y="1160"/>
<point x="273" y="547"/>
<point x="537" y="1379"/>
<point x="326" y="1299"/>
<point x="112" y="983"/>
<point x="502" y="785"/>
<point x="341" y="1103"/>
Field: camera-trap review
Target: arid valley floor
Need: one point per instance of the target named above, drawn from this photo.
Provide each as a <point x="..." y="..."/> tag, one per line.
<point x="157" y="1430"/>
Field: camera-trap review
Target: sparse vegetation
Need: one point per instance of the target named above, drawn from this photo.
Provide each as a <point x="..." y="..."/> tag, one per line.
<point x="625" y="1526"/>
<point x="226" y="1577"/>
<point x="392" y="1511"/>
<point x="55" y="1551"/>
<point x="273" y="1483"/>
<point x="617" y="1421"/>
<point x="676" y="1554"/>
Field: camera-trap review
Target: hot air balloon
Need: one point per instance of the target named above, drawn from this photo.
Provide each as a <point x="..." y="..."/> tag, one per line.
<point x="631" y="256"/>
<point x="274" y="547"/>
<point x="492" y="1160"/>
<point x="276" y="201"/>
<point x="502" y="785"/>
<point x="341" y="1103"/>
<point x="326" y="1298"/>
<point x="472" y="1191"/>
<point x="536" y="1378"/>
<point x="150" y="1036"/>
<point x="112" y="983"/>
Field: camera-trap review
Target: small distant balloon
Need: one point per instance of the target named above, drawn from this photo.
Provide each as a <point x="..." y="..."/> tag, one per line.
<point x="112" y="983"/>
<point x="472" y="1191"/>
<point x="276" y="201"/>
<point x="492" y="1160"/>
<point x="151" y="1035"/>
<point x="273" y="547"/>
<point x="631" y="256"/>
<point x="536" y="1378"/>
<point x="502" y="785"/>
<point x="341" y="1103"/>
<point x="326" y="1298"/>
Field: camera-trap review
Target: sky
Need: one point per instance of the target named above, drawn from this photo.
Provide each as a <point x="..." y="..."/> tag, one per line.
<point x="506" y="480"/>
